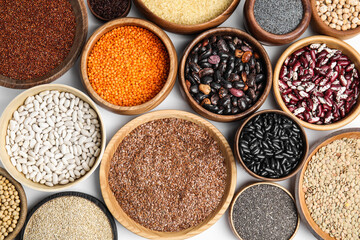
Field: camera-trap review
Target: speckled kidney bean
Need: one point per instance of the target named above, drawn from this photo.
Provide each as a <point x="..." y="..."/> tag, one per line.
<point x="319" y="85"/>
<point x="225" y="75"/>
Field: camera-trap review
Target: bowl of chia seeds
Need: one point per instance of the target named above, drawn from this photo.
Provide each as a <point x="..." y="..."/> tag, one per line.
<point x="264" y="211"/>
<point x="271" y="145"/>
<point x="277" y="22"/>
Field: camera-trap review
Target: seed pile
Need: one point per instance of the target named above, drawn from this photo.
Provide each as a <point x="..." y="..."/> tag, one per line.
<point x="265" y="212"/>
<point x="187" y="12"/>
<point x="35" y="36"/>
<point x="128" y="66"/>
<point x="109" y="9"/>
<point x="54" y="138"/>
<point x="339" y="14"/>
<point x="278" y="16"/>
<point x="271" y="145"/>
<point x="225" y="75"/>
<point x="168" y="175"/>
<point x="318" y="84"/>
<point x="9" y="207"/>
<point x="68" y="217"/>
<point x="332" y="188"/>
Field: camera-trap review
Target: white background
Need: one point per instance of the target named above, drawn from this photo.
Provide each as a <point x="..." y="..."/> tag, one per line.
<point x="113" y="122"/>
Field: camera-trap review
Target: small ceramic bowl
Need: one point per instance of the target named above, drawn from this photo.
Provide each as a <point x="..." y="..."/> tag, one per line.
<point x="23" y="204"/>
<point x="124" y="14"/>
<point x="135" y="227"/>
<point x="268" y="38"/>
<point x="231" y="210"/>
<point x="8" y="115"/>
<point x="186" y="29"/>
<point x="79" y="41"/>
<point x="301" y="161"/>
<point x="256" y="46"/>
<point x="299" y="192"/>
<point x="331" y="42"/>
<point x="164" y="92"/>
<point x="322" y="28"/>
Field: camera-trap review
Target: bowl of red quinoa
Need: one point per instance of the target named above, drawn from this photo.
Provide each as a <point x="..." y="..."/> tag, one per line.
<point x="168" y="175"/>
<point x="42" y="40"/>
<point x="317" y="80"/>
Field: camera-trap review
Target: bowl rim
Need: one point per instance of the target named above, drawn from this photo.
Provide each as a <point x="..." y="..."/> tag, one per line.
<point x="88" y="197"/>
<point x="68" y="61"/>
<point x="325" y="29"/>
<point x="237" y="195"/>
<point x="23" y="203"/>
<point x="305" y="42"/>
<point x="237" y="149"/>
<point x="259" y="49"/>
<point x="173" y="62"/>
<point x="275" y="39"/>
<point x="184" y="28"/>
<point x="135" y="227"/>
<point x="299" y="194"/>
<point x="124" y="14"/>
<point x="7" y="116"/>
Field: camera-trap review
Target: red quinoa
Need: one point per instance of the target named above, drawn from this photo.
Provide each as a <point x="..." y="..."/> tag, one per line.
<point x="168" y="175"/>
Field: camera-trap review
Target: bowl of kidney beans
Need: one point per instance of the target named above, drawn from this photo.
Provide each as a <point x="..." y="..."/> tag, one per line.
<point x="317" y="80"/>
<point x="225" y="74"/>
<point x="271" y="145"/>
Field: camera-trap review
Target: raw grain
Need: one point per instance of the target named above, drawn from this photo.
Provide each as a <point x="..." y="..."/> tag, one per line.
<point x="168" y="175"/>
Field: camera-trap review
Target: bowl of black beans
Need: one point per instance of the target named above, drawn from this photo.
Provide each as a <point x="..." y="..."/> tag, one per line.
<point x="271" y="145"/>
<point x="225" y="74"/>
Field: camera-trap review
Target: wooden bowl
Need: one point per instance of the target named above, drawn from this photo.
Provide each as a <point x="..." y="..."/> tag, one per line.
<point x="169" y="82"/>
<point x="322" y="28"/>
<point x="300" y="194"/>
<point x="90" y="198"/>
<point x="243" y="190"/>
<point x="23" y="204"/>
<point x="331" y="42"/>
<point x="265" y="37"/>
<point x="7" y="116"/>
<point x="124" y="14"/>
<point x="79" y="41"/>
<point x="259" y="49"/>
<point x="182" y="28"/>
<point x="128" y="222"/>
<point x="301" y="161"/>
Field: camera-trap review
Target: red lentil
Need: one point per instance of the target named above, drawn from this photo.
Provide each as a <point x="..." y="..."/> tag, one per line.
<point x="168" y="175"/>
<point x="35" y="36"/>
<point x="128" y="66"/>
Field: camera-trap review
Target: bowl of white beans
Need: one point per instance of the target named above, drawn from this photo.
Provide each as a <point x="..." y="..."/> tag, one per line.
<point x="51" y="137"/>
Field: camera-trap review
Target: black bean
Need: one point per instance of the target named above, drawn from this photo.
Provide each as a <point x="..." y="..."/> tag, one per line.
<point x="206" y="80"/>
<point x="222" y="46"/>
<point x="226" y="84"/>
<point x="238" y="84"/>
<point x="194" y="89"/>
<point x="242" y="104"/>
<point x="215" y="85"/>
<point x="205" y="65"/>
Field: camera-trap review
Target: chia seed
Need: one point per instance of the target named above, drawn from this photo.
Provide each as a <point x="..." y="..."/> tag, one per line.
<point x="278" y="16"/>
<point x="264" y="212"/>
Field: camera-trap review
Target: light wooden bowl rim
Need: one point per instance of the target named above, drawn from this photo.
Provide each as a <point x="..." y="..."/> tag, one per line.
<point x="270" y="38"/>
<point x="322" y="28"/>
<point x="79" y="41"/>
<point x="259" y="49"/>
<point x="237" y="149"/>
<point x="124" y="14"/>
<point x="183" y="28"/>
<point x="299" y="193"/>
<point x="164" y="92"/>
<point x="7" y="115"/>
<point x="130" y="224"/>
<point x="332" y="42"/>
<point x="230" y="216"/>
<point x="23" y="204"/>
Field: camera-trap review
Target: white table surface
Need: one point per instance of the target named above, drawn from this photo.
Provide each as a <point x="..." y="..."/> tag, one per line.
<point x="113" y="122"/>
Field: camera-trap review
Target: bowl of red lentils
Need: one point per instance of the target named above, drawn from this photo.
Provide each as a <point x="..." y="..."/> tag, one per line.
<point x="337" y="18"/>
<point x="129" y="66"/>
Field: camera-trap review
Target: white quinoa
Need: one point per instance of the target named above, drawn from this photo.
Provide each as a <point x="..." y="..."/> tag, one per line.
<point x="332" y="188"/>
<point x="187" y="12"/>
